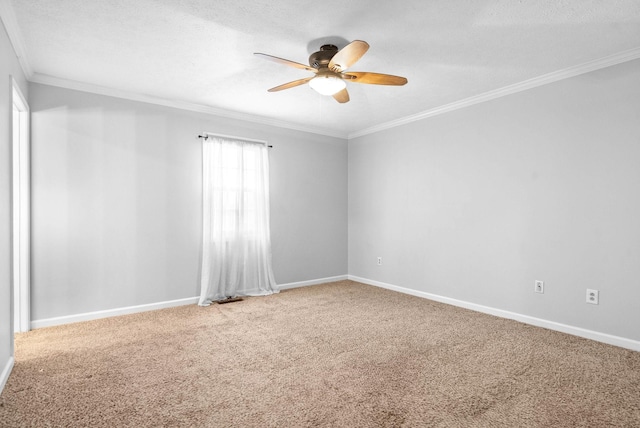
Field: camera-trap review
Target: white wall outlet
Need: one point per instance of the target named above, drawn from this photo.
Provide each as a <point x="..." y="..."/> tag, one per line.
<point x="379" y="261"/>
<point x="592" y="296"/>
<point x="538" y="286"/>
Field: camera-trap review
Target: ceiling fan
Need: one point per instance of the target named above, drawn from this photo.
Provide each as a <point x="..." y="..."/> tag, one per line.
<point x="329" y="66"/>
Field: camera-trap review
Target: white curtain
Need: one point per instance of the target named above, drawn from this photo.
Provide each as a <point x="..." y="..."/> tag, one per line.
<point x="236" y="253"/>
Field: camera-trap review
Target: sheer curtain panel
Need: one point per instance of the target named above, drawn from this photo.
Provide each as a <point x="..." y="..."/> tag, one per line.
<point x="236" y="252"/>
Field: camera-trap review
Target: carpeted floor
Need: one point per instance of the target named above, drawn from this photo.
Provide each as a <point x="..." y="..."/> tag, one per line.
<point x="334" y="355"/>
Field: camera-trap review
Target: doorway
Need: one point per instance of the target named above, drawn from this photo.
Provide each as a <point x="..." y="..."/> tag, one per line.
<point x="21" y="211"/>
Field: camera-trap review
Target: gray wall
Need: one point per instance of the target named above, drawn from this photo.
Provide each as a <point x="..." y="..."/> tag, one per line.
<point x="477" y="203"/>
<point x="117" y="201"/>
<point x="9" y="67"/>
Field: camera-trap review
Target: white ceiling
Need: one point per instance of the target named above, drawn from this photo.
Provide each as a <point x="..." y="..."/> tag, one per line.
<point x="200" y="51"/>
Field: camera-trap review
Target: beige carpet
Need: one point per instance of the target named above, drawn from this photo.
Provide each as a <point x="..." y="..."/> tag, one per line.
<point x="334" y="355"/>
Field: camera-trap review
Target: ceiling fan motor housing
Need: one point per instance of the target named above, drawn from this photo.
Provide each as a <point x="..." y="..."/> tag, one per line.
<point x="321" y="58"/>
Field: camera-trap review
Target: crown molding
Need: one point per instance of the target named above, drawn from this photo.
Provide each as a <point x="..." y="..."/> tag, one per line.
<point x="13" y="31"/>
<point x="625" y="56"/>
<point x="8" y="17"/>
<point x="545" y="79"/>
<point x="182" y="105"/>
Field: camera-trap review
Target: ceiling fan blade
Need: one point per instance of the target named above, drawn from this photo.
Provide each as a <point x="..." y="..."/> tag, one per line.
<point x="375" y="78"/>
<point x="285" y="62"/>
<point x="290" y="84"/>
<point x="348" y="55"/>
<point x="341" y="96"/>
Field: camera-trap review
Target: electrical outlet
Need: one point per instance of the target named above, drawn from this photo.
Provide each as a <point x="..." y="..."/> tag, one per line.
<point x="379" y="261"/>
<point x="538" y="286"/>
<point x="592" y="296"/>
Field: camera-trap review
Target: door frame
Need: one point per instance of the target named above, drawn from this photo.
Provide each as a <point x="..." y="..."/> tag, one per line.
<point x="21" y="210"/>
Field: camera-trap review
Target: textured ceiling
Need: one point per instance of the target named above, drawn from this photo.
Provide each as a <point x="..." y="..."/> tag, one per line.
<point x="200" y="51"/>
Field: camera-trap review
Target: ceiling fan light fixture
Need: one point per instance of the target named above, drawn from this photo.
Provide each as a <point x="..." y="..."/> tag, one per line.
<point x="327" y="85"/>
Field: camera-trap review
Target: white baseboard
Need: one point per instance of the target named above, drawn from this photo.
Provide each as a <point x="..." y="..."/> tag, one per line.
<point x="49" y="322"/>
<point x="538" y="322"/>
<point x="551" y="325"/>
<point x="4" y="377"/>
<point x="312" y="282"/>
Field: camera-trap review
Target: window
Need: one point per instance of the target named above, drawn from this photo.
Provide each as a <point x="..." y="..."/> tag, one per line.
<point x="237" y="190"/>
<point x="236" y="253"/>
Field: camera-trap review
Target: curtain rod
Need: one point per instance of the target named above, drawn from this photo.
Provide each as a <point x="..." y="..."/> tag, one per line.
<point x="206" y="136"/>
